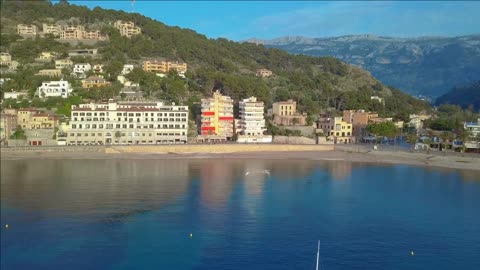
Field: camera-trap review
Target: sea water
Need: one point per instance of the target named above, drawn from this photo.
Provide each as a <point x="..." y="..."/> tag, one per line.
<point x="236" y="214"/>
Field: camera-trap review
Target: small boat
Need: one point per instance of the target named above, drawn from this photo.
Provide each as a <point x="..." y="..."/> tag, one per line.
<point x="318" y="255"/>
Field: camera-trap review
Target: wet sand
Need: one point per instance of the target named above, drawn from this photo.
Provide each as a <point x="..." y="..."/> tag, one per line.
<point x="467" y="162"/>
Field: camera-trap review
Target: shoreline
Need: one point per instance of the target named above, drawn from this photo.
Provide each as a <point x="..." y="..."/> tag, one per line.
<point x="272" y="152"/>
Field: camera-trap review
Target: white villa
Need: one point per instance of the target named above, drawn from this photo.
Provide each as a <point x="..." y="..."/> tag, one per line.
<point x="55" y="89"/>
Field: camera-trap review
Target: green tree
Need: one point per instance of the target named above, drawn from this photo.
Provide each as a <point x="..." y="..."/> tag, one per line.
<point x="386" y="129"/>
<point x="19" y="134"/>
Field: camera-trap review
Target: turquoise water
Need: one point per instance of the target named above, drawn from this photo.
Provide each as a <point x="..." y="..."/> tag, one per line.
<point x="242" y="214"/>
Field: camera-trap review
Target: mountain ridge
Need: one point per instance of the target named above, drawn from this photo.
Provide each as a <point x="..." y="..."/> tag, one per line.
<point x="426" y="65"/>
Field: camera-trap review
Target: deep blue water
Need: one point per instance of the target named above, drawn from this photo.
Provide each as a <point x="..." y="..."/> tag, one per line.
<point x="138" y="214"/>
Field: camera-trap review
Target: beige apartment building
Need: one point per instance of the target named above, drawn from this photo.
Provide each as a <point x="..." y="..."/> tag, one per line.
<point x="72" y="32"/>
<point x="27" y="29"/>
<point x="63" y="63"/>
<point x="53" y="29"/>
<point x="128" y="123"/>
<point x="127" y="28"/>
<point x="217" y="117"/>
<point x="262" y="72"/>
<point x="94" y="81"/>
<point x="50" y="72"/>
<point x="93" y="35"/>
<point x="285" y="113"/>
<point x="164" y="66"/>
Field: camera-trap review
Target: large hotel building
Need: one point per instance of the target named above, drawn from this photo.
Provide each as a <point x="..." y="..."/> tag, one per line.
<point x="128" y="123"/>
<point x="217" y="116"/>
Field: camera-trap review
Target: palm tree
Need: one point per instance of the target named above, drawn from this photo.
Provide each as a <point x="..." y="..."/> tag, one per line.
<point x="446" y="136"/>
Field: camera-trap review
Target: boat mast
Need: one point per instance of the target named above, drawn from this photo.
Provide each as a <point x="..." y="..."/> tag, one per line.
<point x="318" y="253"/>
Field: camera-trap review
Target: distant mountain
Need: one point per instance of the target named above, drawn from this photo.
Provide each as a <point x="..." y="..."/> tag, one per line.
<point x="463" y="96"/>
<point x="428" y="66"/>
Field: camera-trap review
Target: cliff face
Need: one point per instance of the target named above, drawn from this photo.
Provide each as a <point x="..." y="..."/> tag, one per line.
<point x="429" y="66"/>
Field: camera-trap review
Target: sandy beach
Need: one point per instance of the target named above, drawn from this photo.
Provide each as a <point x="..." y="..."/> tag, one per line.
<point x="351" y="154"/>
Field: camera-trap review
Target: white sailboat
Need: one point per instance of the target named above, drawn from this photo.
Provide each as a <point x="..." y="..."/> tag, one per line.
<point x="318" y="255"/>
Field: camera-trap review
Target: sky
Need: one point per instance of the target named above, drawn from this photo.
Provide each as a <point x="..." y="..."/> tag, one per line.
<point x="240" y="20"/>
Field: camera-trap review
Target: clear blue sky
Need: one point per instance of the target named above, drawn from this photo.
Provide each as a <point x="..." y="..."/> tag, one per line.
<point x="269" y="19"/>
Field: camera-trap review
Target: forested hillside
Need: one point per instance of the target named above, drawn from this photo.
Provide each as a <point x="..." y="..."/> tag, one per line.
<point x="315" y="82"/>
<point x="428" y="66"/>
<point x="464" y="96"/>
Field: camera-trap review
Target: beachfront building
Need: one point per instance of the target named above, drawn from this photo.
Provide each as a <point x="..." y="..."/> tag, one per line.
<point x="285" y="114"/>
<point x="335" y="129"/>
<point x="262" y="72"/>
<point x="5" y="59"/>
<point x="128" y="123"/>
<point x="26" y="29"/>
<point x="52" y="29"/>
<point x="94" y="81"/>
<point x="63" y="63"/>
<point x="217" y="118"/>
<point x="31" y="118"/>
<point x="416" y="121"/>
<point x="55" y="89"/>
<point x="473" y="128"/>
<point x="80" y="70"/>
<point x="8" y="123"/>
<point x="127" y="28"/>
<point x="164" y="67"/>
<point x="251" y="125"/>
<point x="50" y="72"/>
<point x="359" y="120"/>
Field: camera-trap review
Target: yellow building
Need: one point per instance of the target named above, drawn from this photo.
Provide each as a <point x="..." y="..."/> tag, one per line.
<point x="282" y="108"/>
<point x="5" y="59"/>
<point x="164" y="66"/>
<point x="30" y="118"/>
<point x="26" y="29"/>
<point x="334" y="128"/>
<point x="285" y="113"/>
<point x="94" y="81"/>
<point x="46" y="56"/>
<point x="217" y="116"/>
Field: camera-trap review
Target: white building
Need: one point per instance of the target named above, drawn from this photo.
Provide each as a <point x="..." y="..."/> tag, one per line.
<point x="126" y="82"/>
<point x="128" y="123"/>
<point x="251" y="125"/>
<point x="80" y="70"/>
<point x="54" y="89"/>
<point x="127" y="69"/>
<point x="15" y="95"/>
<point x="473" y="128"/>
<point x="379" y="99"/>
